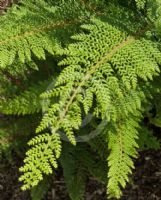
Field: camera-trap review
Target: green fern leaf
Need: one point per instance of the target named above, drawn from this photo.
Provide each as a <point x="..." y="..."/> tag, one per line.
<point x="122" y="145"/>
<point x="74" y="173"/>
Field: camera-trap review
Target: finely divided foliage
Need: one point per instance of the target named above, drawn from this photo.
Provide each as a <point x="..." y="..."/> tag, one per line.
<point x="108" y="63"/>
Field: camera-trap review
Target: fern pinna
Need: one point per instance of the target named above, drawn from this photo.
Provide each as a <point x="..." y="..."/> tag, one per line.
<point x="104" y="59"/>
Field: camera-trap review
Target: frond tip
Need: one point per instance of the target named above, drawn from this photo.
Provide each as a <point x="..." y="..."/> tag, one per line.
<point x="40" y="159"/>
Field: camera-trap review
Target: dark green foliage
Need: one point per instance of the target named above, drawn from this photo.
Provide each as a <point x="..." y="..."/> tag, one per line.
<point x="62" y="61"/>
<point x="38" y="192"/>
<point x="147" y="140"/>
<point x="14" y="134"/>
<point x="74" y="171"/>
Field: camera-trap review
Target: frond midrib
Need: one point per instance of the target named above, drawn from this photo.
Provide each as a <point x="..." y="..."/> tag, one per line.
<point x="92" y="70"/>
<point x="41" y="29"/>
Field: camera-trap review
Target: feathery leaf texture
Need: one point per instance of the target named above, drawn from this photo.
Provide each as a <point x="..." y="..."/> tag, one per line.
<point x="108" y="69"/>
<point x="45" y="149"/>
<point x="122" y="144"/>
<point x="38" y="33"/>
<point x="107" y="65"/>
<point x="140" y="3"/>
<point x="28" y="102"/>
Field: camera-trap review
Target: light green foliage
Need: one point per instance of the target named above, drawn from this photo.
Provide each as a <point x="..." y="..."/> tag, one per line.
<point x="90" y="70"/>
<point x="36" y="36"/>
<point x="122" y="143"/>
<point x="44" y="149"/>
<point x="140" y="3"/>
<point x="104" y="58"/>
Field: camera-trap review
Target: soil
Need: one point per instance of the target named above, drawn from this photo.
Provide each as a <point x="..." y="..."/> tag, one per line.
<point x="145" y="182"/>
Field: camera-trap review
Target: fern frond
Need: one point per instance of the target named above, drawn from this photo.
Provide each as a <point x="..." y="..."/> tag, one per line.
<point x="106" y="62"/>
<point x="74" y="172"/>
<point x="28" y="102"/>
<point x="147" y="140"/>
<point x="44" y="149"/>
<point x="38" y="192"/>
<point x="122" y="145"/>
<point x="25" y="32"/>
<point x="95" y="166"/>
<point x="92" y="76"/>
<point x="140" y="3"/>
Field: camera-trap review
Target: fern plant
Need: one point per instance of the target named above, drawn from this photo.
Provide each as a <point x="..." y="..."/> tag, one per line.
<point x="104" y="58"/>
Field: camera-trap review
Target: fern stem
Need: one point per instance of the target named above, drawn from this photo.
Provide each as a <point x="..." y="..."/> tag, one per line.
<point x="107" y="57"/>
<point x="40" y="30"/>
